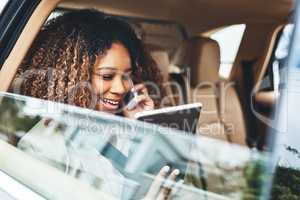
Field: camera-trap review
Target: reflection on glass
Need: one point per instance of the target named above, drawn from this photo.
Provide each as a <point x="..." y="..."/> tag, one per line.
<point x="287" y="174"/>
<point x="14" y="123"/>
<point x="122" y="157"/>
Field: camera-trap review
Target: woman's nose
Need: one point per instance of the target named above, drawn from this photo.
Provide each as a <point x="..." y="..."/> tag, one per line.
<point x="118" y="86"/>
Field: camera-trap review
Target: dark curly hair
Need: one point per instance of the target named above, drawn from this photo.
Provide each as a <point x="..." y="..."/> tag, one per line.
<point x="65" y="51"/>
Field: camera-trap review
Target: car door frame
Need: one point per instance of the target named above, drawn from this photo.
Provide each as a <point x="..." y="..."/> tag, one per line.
<point x="24" y="32"/>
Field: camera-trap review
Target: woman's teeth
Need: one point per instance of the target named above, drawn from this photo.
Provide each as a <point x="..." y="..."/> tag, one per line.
<point x="111" y="101"/>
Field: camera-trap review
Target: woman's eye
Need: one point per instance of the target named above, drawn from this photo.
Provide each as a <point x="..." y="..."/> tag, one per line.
<point x="107" y="77"/>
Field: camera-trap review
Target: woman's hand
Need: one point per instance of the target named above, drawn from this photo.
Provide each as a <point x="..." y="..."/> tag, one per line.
<point x="161" y="187"/>
<point x="144" y="102"/>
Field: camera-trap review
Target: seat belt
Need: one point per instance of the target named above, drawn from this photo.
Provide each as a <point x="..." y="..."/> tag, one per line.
<point x="117" y="158"/>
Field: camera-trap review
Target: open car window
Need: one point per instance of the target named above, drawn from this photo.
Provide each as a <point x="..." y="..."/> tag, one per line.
<point x="107" y="153"/>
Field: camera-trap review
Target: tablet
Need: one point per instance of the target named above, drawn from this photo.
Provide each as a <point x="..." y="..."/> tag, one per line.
<point x="183" y="117"/>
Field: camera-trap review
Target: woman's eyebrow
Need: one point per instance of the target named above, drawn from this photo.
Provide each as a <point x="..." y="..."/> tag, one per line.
<point x="106" y="69"/>
<point x="112" y="69"/>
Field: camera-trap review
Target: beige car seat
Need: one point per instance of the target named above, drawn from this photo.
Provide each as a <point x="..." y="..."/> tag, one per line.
<point x="221" y="116"/>
<point x="161" y="58"/>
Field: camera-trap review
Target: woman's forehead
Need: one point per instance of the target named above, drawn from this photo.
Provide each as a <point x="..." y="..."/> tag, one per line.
<point x="116" y="58"/>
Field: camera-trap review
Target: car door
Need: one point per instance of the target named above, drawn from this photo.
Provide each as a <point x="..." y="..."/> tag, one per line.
<point x="14" y="16"/>
<point x="20" y="21"/>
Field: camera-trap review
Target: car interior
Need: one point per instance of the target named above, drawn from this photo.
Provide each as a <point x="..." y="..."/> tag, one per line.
<point x="180" y="36"/>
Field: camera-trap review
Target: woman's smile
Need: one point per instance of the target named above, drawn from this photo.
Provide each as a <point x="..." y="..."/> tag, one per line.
<point x="110" y="104"/>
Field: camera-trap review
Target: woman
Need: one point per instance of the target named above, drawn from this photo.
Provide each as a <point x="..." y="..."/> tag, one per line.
<point x="89" y="60"/>
<point x="92" y="61"/>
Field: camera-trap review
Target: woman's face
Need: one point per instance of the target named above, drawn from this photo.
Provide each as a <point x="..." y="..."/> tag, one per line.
<point x="111" y="78"/>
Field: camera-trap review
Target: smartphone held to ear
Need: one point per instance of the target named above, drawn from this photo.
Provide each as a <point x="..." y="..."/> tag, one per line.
<point x="131" y="99"/>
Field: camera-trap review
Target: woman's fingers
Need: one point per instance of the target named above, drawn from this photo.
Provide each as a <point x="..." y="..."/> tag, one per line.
<point x="141" y="88"/>
<point x="143" y="102"/>
<point x="157" y="183"/>
<point x="161" y="187"/>
<point x="168" y="185"/>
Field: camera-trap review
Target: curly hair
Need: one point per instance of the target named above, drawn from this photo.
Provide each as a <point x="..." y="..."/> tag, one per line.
<point x="65" y="51"/>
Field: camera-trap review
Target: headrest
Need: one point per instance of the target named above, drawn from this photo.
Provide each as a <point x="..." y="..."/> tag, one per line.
<point x="202" y="56"/>
<point x="162" y="60"/>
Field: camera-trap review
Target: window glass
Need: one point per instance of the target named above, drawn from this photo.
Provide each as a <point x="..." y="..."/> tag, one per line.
<point x="229" y="39"/>
<point x="106" y="153"/>
<point x="286" y="83"/>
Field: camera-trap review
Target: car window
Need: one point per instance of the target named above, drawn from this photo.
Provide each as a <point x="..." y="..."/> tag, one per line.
<point x="229" y="39"/>
<point x="286" y="124"/>
<point x="280" y="52"/>
<point x="107" y="153"/>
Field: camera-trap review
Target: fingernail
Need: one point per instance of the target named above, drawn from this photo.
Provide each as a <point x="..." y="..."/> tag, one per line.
<point x="176" y="172"/>
<point x="166" y="168"/>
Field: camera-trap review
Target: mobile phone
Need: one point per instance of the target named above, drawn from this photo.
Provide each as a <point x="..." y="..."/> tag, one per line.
<point x="131" y="99"/>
